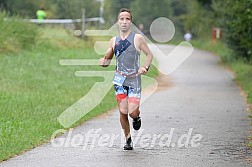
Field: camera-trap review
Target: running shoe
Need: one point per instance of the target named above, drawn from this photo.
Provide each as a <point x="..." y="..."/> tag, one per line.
<point x="128" y="145"/>
<point x="137" y="123"/>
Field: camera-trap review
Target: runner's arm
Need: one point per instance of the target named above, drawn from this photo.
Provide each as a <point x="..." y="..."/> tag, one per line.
<point x="144" y="47"/>
<point x="105" y="61"/>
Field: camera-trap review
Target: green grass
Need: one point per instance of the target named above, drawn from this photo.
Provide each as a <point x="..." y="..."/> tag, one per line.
<point x="35" y="89"/>
<point x="244" y="77"/>
<point x="15" y="34"/>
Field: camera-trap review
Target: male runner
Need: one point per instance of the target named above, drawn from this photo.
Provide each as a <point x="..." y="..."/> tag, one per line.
<point x="127" y="80"/>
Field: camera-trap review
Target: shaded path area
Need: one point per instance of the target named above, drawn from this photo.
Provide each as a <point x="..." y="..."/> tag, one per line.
<point x="201" y="119"/>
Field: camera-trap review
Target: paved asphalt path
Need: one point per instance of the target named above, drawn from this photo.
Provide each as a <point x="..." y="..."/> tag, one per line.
<point x="200" y="110"/>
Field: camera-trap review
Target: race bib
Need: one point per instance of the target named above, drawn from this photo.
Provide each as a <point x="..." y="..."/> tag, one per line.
<point x="119" y="79"/>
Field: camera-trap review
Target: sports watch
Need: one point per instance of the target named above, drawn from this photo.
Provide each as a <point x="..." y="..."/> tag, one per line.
<point x="147" y="67"/>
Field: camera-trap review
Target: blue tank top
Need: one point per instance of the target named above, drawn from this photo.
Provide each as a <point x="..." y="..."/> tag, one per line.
<point x="127" y="60"/>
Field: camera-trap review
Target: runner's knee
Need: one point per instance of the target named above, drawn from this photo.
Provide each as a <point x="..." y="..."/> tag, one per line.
<point x="134" y="113"/>
<point x="123" y="112"/>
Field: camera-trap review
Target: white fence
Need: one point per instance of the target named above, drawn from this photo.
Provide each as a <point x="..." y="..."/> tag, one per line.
<point x="67" y="21"/>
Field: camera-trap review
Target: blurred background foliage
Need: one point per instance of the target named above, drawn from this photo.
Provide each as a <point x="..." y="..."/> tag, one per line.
<point x="234" y="17"/>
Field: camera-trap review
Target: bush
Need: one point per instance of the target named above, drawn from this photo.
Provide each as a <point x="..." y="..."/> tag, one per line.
<point x="16" y="34"/>
<point x="236" y="21"/>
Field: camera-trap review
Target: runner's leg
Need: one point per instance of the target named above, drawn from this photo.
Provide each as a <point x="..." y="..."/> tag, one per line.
<point x="122" y="101"/>
<point x="134" y="95"/>
<point x="124" y="117"/>
<point x="133" y="110"/>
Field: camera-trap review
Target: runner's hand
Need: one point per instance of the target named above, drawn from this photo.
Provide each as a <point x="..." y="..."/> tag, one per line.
<point x="104" y="62"/>
<point x="142" y="70"/>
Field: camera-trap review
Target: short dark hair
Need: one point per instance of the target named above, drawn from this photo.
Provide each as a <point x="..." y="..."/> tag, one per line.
<point x="125" y="10"/>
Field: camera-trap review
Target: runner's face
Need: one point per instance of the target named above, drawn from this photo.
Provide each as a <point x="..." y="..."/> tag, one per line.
<point x="124" y="21"/>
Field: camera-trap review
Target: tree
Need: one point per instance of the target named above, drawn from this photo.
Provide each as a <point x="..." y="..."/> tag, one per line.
<point x="146" y="11"/>
<point x="112" y="8"/>
<point x="236" y="20"/>
<point x="72" y="9"/>
<point x="55" y="8"/>
<point x="21" y="8"/>
<point x="205" y="3"/>
<point x="179" y="11"/>
<point x="197" y="19"/>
